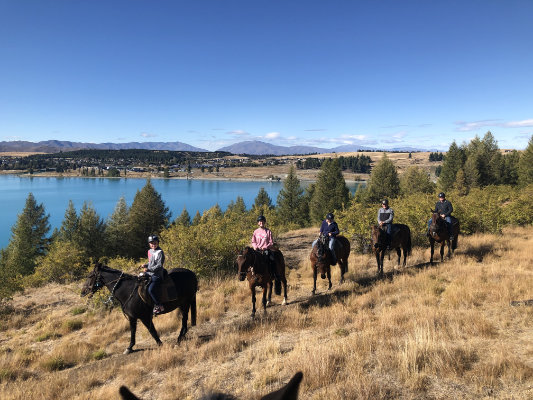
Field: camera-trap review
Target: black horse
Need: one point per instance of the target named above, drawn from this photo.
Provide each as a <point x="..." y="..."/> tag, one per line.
<point x="124" y="288"/>
<point x="438" y="232"/>
<point x="400" y="240"/>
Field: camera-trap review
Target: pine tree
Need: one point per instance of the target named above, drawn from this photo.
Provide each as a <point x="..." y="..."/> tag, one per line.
<point x="525" y="165"/>
<point x="330" y="191"/>
<point x="90" y="235"/>
<point x="290" y="199"/>
<point x="197" y="218"/>
<point x="69" y="226"/>
<point x="460" y="183"/>
<point x="262" y="200"/>
<point x="184" y="218"/>
<point x="384" y="181"/>
<point x="28" y="238"/>
<point x="454" y="160"/>
<point x="117" y="231"/>
<point x="416" y="180"/>
<point x="148" y="215"/>
<point x="471" y="172"/>
<point x="510" y="168"/>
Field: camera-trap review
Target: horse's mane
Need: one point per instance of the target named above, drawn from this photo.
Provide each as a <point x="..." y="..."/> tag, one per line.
<point x="125" y="275"/>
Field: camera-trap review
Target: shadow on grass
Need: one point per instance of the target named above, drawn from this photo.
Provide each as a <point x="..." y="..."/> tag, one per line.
<point x="478" y="252"/>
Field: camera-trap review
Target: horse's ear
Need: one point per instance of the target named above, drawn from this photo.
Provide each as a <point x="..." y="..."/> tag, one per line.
<point x="126" y="394"/>
<point x="287" y="392"/>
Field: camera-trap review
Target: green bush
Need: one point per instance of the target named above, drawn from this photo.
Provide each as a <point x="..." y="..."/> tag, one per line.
<point x="72" y="325"/>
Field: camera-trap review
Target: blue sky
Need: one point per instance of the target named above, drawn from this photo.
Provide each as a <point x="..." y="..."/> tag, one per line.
<point x="215" y="72"/>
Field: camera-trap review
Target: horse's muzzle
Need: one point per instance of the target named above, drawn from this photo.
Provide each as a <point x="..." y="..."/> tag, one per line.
<point x="323" y="276"/>
<point x="242" y="276"/>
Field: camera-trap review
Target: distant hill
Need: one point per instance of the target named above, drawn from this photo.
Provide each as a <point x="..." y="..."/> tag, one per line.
<point x="256" y="147"/>
<point x="55" y="146"/>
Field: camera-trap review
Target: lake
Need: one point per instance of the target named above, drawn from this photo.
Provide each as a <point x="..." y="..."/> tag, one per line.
<point x="104" y="193"/>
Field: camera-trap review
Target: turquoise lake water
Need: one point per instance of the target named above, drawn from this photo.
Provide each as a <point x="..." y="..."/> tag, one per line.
<point x="104" y="193"/>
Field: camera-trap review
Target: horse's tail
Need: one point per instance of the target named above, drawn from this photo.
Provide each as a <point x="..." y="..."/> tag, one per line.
<point x="277" y="286"/>
<point x="409" y="244"/>
<point x="455" y="236"/>
<point x="193" y="310"/>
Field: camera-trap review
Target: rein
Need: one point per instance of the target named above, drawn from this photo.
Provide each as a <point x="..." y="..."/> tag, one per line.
<point x="110" y="299"/>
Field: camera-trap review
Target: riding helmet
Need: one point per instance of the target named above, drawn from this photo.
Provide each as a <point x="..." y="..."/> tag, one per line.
<point x="385" y="201"/>
<point x="153" y="238"/>
<point x="329" y="216"/>
<point x="442" y="195"/>
<point x="261" y="218"/>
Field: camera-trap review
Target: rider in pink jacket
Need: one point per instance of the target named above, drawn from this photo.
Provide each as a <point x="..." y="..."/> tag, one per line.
<point x="262" y="237"/>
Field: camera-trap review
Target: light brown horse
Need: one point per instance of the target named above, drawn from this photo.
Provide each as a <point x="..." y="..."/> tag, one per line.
<point x="321" y="259"/>
<point x="254" y="266"/>
<point x="438" y="232"/>
<point x="401" y="240"/>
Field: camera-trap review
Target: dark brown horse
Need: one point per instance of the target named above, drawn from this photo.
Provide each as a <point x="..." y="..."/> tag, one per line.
<point x="438" y="232"/>
<point x="321" y="259"/>
<point x="287" y="392"/>
<point x="401" y="240"/>
<point x="123" y="287"/>
<point x="254" y="266"/>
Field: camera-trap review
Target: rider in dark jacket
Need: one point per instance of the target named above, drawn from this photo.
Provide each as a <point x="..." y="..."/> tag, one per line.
<point x="444" y="208"/>
<point x="385" y="217"/>
<point x="330" y="229"/>
<point x="155" y="269"/>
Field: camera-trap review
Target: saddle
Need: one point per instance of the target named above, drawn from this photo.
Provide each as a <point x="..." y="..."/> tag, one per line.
<point x="166" y="291"/>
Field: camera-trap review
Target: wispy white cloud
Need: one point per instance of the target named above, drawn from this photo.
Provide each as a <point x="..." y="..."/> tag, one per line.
<point x="238" y="132"/>
<point x="148" y="135"/>
<point x="272" y="135"/>
<point x="464" y="126"/>
<point x="519" y="124"/>
<point x="315" y="130"/>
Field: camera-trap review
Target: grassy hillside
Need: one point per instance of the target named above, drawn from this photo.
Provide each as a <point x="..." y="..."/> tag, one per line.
<point x="440" y="332"/>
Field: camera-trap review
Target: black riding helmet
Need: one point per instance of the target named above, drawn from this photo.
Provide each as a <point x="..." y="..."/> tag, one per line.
<point x="442" y="195"/>
<point x="153" y="238"/>
<point x="261" y="218"/>
<point x="330" y="216"/>
<point x="385" y="201"/>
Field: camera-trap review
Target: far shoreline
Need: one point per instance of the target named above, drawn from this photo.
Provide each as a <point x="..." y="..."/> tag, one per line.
<point x="140" y="176"/>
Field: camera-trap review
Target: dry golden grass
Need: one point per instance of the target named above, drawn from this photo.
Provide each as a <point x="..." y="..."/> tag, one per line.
<point x="440" y="332"/>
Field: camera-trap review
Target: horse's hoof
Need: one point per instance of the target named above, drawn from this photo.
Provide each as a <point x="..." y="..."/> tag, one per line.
<point x="284" y="303"/>
<point x="268" y="303"/>
<point x="127" y="351"/>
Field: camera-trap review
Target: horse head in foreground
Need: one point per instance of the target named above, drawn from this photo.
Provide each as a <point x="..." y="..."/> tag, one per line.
<point x="260" y="270"/>
<point x="400" y="240"/>
<point x="438" y="232"/>
<point x="287" y="392"/>
<point x="322" y="259"/>
<point x="125" y="288"/>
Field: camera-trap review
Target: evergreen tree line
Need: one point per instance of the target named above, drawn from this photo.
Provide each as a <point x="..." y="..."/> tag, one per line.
<point x="357" y="164"/>
<point x="481" y="163"/>
<point x="436" y="156"/>
<point x="207" y="243"/>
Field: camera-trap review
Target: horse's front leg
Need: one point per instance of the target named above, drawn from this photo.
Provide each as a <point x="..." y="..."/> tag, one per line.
<point x="315" y="273"/>
<point x="252" y="288"/>
<point x="404" y="256"/>
<point x="328" y="274"/>
<point x="149" y="323"/>
<point x="442" y="251"/>
<point x="133" y="330"/>
<point x="432" y="244"/>
<point x="265" y="291"/>
<point x="448" y="241"/>
<point x="378" y="261"/>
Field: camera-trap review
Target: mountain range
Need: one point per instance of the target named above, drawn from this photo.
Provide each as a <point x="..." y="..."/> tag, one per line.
<point x="248" y="147"/>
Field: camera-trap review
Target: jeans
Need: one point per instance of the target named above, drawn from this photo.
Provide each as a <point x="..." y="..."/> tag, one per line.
<point x="152" y="287"/>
